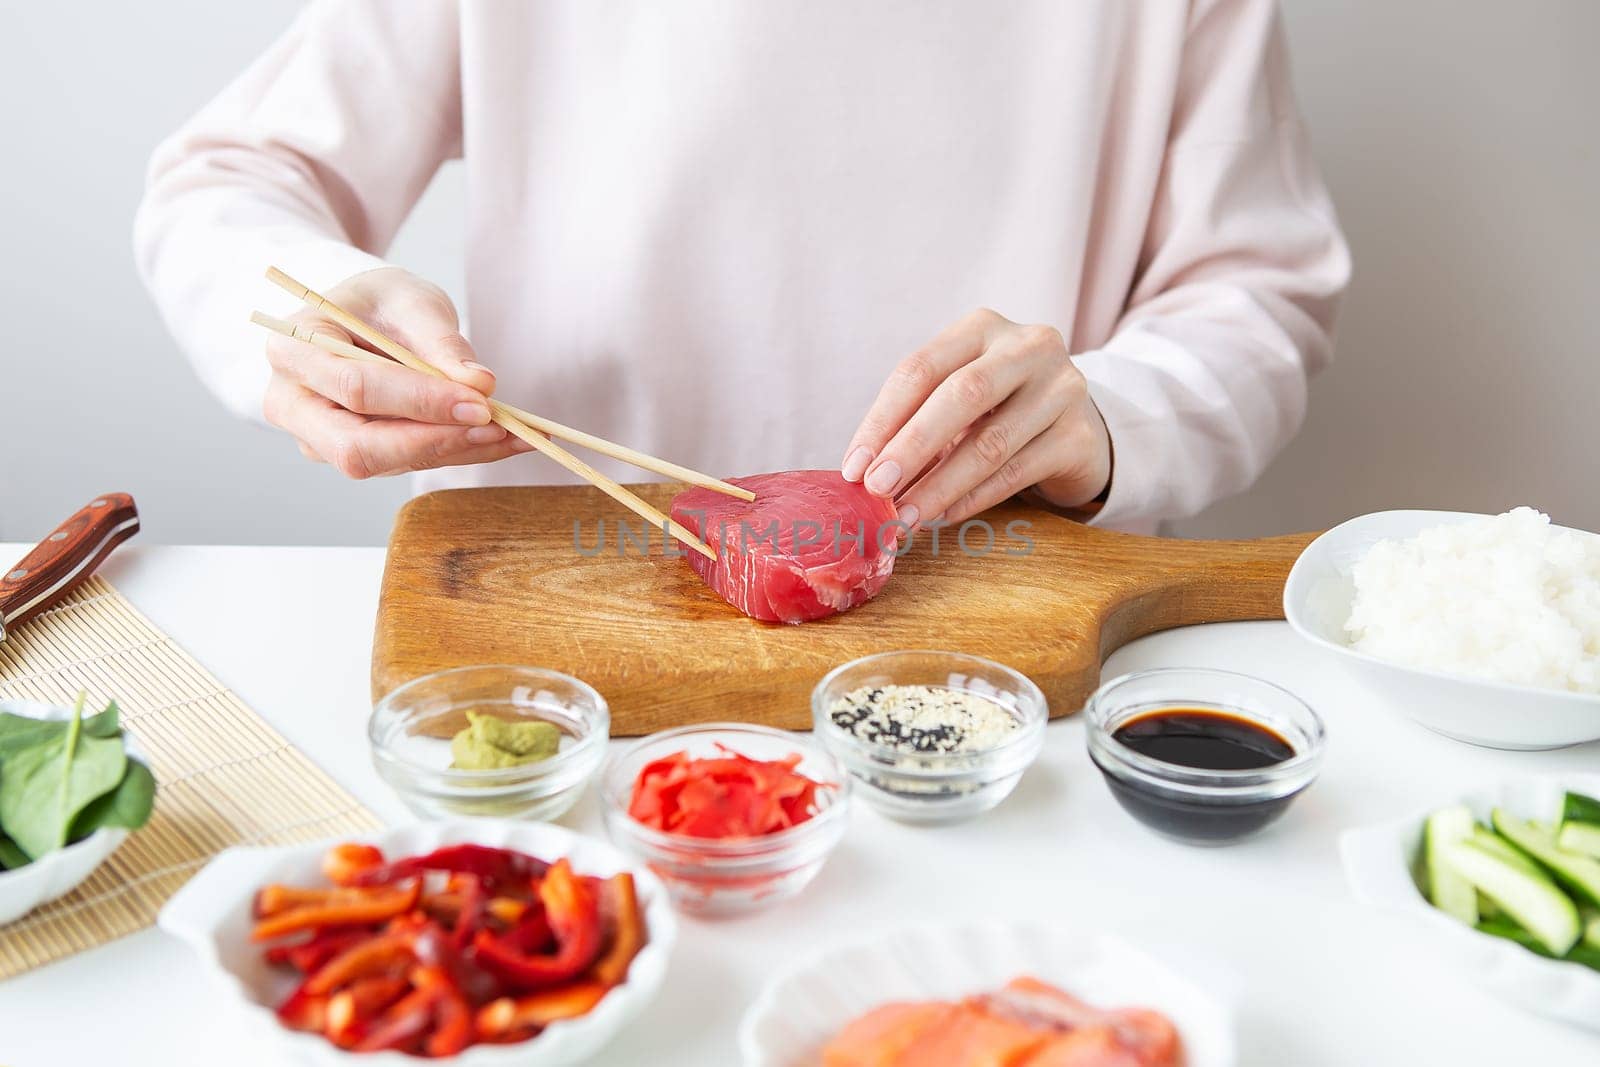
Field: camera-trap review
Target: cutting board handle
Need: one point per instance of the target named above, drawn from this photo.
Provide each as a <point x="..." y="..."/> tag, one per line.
<point x="1205" y="581"/>
<point x="66" y="557"/>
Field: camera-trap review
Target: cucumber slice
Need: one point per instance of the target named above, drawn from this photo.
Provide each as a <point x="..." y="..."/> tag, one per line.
<point x="1580" y="837"/>
<point x="1581" y="953"/>
<point x="1580" y="874"/>
<point x="1447" y="890"/>
<point x="1503" y="927"/>
<point x="1580" y="825"/>
<point x="1576" y="807"/>
<point x="1521" y="890"/>
<point x="1494" y="843"/>
<point x="1591" y="933"/>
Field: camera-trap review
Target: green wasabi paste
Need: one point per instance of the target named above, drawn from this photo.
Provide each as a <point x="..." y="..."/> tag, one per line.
<point x="489" y="744"/>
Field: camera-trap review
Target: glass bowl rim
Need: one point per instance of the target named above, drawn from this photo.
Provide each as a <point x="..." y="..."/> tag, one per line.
<point x="615" y="806"/>
<point x="595" y="738"/>
<point x="944" y="763"/>
<point x="1224" y="780"/>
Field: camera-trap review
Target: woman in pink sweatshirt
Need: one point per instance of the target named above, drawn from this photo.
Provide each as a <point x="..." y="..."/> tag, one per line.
<point x="721" y="232"/>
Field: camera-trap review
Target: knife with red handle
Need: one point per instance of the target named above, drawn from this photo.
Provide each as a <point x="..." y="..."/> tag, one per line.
<point x="66" y="558"/>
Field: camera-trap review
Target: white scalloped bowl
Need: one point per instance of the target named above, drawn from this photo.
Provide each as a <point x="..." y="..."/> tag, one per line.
<point x="799" y="1011"/>
<point x="212" y="915"/>
<point x="1316" y="603"/>
<point x="60" y="872"/>
<point x="1378" y="865"/>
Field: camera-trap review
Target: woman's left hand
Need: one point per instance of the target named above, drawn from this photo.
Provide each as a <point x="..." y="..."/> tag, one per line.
<point x="986" y="409"/>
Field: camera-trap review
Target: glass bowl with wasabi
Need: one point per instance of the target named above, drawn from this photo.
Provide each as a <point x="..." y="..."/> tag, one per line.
<point x="495" y="741"/>
<point x="929" y="736"/>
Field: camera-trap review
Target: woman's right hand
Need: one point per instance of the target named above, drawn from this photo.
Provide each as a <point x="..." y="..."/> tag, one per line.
<point x="370" y="419"/>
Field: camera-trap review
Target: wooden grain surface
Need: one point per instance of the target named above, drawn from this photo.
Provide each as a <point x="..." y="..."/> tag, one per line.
<point x="480" y="576"/>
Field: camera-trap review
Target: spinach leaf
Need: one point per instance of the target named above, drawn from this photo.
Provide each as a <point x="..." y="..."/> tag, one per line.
<point x="11" y="857"/>
<point x="43" y="787"/>
<point x="128" y="805"/>
<point x="18" y="732"/>
<point x="104" y="723"/>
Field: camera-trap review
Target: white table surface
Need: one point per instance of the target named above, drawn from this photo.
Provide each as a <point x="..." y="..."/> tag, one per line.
<point x="1316" y="978"/>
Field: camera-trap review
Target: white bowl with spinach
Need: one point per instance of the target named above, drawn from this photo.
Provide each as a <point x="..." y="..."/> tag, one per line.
<point x="72" y="787"/>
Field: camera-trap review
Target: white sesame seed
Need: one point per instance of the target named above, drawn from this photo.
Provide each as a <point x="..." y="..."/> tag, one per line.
<point x="923" y="718"/>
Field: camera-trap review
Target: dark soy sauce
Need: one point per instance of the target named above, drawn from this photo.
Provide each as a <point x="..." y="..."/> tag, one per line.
<point x="1204" y="739"/>
<point x="1209" y="740"/>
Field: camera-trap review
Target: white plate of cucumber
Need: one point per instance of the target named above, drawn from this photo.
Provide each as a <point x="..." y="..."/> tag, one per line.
<point x="1507" y="883"/>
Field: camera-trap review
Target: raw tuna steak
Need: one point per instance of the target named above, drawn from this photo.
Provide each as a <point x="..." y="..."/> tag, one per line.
<point x="811" y="544"/>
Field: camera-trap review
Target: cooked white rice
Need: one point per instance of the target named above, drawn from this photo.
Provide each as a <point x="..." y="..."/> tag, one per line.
<point x="1504" y="597"/>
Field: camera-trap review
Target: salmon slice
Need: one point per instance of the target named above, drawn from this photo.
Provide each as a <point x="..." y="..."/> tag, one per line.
<point x="878" y="1038"/>
<point x="969" y="1036"/>
<point x="1093" y="1046"/>
<point x="1148" y="1035"/>
<point x="1029" y="1023"/>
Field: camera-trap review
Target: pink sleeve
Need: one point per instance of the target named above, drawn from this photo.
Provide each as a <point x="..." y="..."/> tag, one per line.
<point x="1243" y="265"/>
<point x="309" y="161"/>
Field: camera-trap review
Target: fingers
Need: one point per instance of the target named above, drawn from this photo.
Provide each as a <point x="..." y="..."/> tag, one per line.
<point x="988" y="409"/>
<point x="913" y="381"/>
<point x="509" y="446"/>
<point x="361" y="447"/>
<point x="420" y="316"/>
<point x="385" y="389"/>
<point x="1035" y="461"/>
<point x="1069" y="464"/>
<point x="963" y="398"/>
<point x="995" y="441"/>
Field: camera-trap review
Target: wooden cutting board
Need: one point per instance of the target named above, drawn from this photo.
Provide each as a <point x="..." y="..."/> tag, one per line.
<point x="480" y="576"/>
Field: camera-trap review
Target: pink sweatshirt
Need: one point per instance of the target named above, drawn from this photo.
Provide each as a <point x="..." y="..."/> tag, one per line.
<point x="708" y="230"/>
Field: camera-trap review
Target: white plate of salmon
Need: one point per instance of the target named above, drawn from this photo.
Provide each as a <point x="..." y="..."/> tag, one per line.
<point x="1033" y="995"/>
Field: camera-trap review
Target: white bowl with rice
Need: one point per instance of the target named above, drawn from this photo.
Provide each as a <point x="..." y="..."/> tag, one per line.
<point x="1483" y="628"/>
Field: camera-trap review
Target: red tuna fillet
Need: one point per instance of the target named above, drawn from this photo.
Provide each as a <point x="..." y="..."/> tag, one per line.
<point x="811" y="544"/>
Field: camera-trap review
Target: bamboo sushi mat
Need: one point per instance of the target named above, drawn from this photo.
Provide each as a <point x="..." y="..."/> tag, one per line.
<point x="223" y="776"/>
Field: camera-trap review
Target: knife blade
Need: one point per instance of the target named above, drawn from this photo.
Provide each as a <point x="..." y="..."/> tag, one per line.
<point x="66" y="558"/>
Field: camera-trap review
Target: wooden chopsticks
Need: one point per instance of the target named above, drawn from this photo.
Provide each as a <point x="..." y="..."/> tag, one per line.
<point x="523" y="424"/>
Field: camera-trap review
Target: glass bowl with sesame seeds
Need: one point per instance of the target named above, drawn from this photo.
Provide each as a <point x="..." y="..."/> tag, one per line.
<point x="930" y="736"/>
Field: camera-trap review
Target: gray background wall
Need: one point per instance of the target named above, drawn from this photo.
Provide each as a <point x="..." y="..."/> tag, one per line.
<point x="1460" y="140"/>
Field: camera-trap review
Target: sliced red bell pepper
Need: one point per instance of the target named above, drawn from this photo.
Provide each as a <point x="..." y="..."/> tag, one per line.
<point x="402" y="1024"/>
<point x="620" y="909"/>
<point x="352" y="1008"/>
<point x="344" y="864"/>
<point x="453" y="1028"/>
<point x="272" y="899"/>
<point x="508" y="910"/>
<point x="537" y="1010"/>
<point x="510" y="1037"/>
<point x="369" y="906"/>
<point x="474" y="905"/>
<point x="303" y="1010"/>
<point x="386" y="954"/>
<point x="278" y="955"/>
<point x="433" y="947"/>
<point x="321" y="947"/>
<point x="496" y="866"/>
<point x="573" y="912"/>
<point x="532" y="933"/>
<point x="444" y="906"/>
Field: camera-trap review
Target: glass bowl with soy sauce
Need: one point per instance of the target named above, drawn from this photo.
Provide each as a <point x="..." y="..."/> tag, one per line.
<point x="1205" y="757"/>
